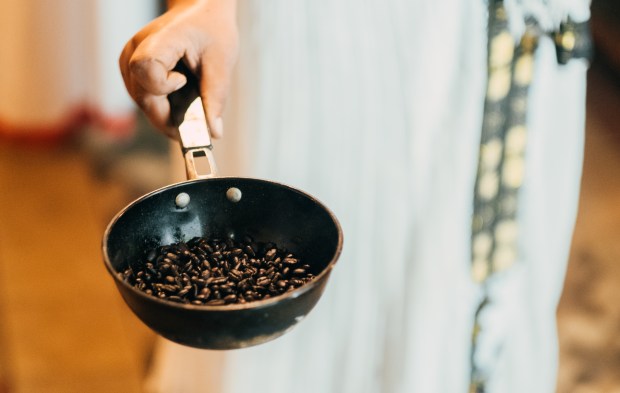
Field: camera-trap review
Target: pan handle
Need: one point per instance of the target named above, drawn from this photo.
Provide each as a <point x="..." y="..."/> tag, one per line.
<point x="187" y="113"/>
<point x="196" y="143"/>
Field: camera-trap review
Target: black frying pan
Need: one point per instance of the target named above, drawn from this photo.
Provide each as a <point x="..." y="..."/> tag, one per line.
<point x="267" y="211"/>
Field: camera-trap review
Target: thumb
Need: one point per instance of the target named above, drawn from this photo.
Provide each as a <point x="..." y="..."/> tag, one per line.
<point x="214" y="89"/>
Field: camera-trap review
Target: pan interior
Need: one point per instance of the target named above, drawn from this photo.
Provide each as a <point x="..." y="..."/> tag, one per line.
<point x="267" y="211"/>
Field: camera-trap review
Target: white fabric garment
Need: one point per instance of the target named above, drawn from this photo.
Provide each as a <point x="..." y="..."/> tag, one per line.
<point x="375" y="107"/>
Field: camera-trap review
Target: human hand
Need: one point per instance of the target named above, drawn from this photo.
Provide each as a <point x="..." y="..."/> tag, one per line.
<point x="202" y="34"/>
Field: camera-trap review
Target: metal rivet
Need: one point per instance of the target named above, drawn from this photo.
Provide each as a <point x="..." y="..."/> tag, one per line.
<point x="182" y="200"/>
<point x="233" y="194"/>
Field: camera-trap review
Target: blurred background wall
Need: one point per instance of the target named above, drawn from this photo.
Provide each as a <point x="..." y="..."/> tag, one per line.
<point x="58" y="67"/>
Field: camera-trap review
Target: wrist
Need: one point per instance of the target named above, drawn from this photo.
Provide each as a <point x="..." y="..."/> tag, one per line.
<point x="230" y="5"/>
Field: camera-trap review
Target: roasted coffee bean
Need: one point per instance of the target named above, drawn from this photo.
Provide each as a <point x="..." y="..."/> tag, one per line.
<point x="216" y="302"/>
<point x="243" y="284"/>
<point x="249" y="250"/>
<point x="206" y="292"/>
<point x="172" y="257"/>
<point x="270" y="254"/>
<point x="219" y="280"/>
<point x="235" y="274"/>
<point x="206" y="248"/>
<point x="184" y="291"/>
<point x="222" y="270"/>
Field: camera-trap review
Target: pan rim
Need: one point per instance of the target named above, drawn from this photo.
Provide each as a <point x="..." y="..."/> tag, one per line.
<point x="257" y="304"/>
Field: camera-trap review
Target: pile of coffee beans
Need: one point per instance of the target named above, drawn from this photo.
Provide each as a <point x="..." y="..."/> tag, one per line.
<point x="217" y="271"/>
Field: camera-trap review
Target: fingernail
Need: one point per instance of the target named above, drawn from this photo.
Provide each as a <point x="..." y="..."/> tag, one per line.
<point x="181" y="84"/>
<point x="182" y="80"/>
<point x="217" y="128"/>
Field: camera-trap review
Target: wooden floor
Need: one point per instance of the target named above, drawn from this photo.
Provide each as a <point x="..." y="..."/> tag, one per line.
<point x="63" y="327"/>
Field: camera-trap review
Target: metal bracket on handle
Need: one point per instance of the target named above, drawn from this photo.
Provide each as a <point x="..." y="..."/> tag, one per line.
<point x="190" y="163"/>
<point x="196" y="142"/>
